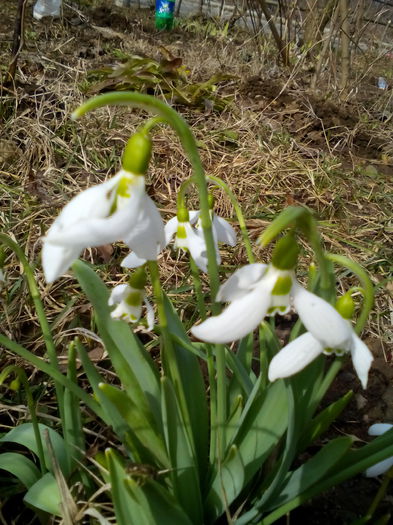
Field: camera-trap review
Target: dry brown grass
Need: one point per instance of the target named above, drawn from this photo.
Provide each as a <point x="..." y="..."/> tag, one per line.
<point x="275" y="160"/>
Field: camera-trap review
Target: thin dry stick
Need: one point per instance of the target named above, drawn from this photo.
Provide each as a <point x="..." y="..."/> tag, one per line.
<point x="324" y="50"/>
<point x="345" y="42"/>
<point x="19" y="37"/>
<point x="282" y="47"/>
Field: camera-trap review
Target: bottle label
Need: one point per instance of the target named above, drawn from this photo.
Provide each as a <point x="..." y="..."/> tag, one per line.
<point x="165" y="8"/>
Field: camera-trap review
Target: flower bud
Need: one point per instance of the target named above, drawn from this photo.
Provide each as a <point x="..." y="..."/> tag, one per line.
<point x="345" y="306"/>
<point x="285" y="253"/>
<point x="137" y="154"/>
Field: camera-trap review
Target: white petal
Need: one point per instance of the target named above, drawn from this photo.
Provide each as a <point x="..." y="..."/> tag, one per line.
<point x="56" y="260"/>
<point x="238" y="319"/>
<point x="321" y="319"/>
<point x="379" y="428"/>
<point x="96" y="228"/>
<point x="146" y="237"/>
<point x="379" y="468"/>
<point x="118" y="293"/>
<point x="361" y="359"/>
<point x="149" y="314"/>
<point x="295" y="356"/>
<point x="194" y="216"/>
<point x="170" y="229"/>
<point x="224" y="231"/>
<point x="132" y="261"/>
<point x="241" y="282"/>
<point x="197" y="247"/>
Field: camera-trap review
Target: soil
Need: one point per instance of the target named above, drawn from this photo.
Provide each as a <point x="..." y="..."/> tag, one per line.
<point x="92" y="34"/>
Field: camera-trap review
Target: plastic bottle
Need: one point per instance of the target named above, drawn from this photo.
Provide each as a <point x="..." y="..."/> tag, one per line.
<point x="46" y="8"/>
<point x="164" y="14"/>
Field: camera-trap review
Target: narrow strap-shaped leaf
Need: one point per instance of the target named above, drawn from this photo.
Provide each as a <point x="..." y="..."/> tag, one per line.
<point x="111" y="415"/>
<point x="128" y="510"/>
<point x="317" y="426"/>
<point x="21" y="467"/>
<point x="184" y="466"/>
<point x="260" y="430"/>
<point x="313" y="470"/>
<point x="72" y="424"/>
<point x="160" y="506"/>
<point x="193" y="387"/>
<point x="132" y="363"/>
<point x="140" y="425"/>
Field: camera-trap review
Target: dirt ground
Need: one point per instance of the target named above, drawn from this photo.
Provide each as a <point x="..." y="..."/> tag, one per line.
<point x="272" y="140"/>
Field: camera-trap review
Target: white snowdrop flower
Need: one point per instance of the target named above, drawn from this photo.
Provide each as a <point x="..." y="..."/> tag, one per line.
<point x="328" y="332"/>
<point x="129" y="299"/>
<point x="117" y="209"/>
<point x="383" y="466"/>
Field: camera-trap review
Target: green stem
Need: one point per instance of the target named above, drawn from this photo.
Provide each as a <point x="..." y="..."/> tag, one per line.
<point x="221" y="401"/>
<point x="57" y="376"/>
<point x="198" y="289"/>
<point x="153" y="122"/>
<point x="151" y="104"/>
<point x="181" y="195"/>
<point x="213" y="402"/>
<point x="367" y="285"/>
<point x="32" y="409"/>
<point x="325" y="385"/>
<point x="39" y="308"/>
<point x="239" y="214"/>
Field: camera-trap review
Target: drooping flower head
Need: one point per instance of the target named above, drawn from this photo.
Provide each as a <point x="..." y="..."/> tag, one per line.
<point x="329" y="332"/>
<point x="258" y="290"/>
<point x="187" y="229"/>
<point x="117" y="209"/>
<point x="129" y="299"/>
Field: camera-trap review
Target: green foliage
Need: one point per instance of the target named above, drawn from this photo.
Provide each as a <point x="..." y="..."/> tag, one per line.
<point x="167" y="77"/>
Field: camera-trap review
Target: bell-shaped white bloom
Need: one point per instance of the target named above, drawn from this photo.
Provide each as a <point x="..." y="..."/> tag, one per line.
<point x="129" y="301"/>
<point x="386" y="464"/>
<point x="191" y="239"/>
<point x="297" y="354"/>
<point x="117" y="209"/>
<point x="253" y="292"/>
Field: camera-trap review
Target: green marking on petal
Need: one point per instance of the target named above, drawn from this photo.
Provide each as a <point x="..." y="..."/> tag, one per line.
<point x="328" y="351"/>
<point x="181" y="232"/>
<point x="134" y="299"/>
<point x="124" y="186"/>
<point x="282" y="286"/>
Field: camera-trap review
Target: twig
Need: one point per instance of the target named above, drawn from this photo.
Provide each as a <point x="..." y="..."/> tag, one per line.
<point x="19" y="39"/>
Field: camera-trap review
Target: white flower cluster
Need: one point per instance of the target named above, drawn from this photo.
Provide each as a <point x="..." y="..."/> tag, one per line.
<point x="120" y="209"/>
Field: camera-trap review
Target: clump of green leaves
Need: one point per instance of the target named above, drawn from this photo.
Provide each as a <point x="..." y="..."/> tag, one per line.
<point x="167" y="76"/>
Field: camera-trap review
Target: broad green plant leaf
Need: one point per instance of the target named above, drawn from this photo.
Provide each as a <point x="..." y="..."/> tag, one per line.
<point x="184" y="466"/>
<point x="21" y="467"/>
<point x="44" y="495"/>
<point x="24" y="435"/>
